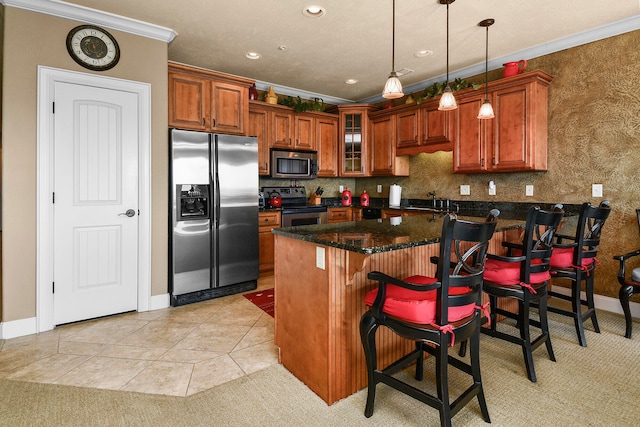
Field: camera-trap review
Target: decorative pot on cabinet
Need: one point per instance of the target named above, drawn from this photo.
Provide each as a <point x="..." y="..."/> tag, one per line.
<point x="271" y="97"/>
<point x="513" y="68"/>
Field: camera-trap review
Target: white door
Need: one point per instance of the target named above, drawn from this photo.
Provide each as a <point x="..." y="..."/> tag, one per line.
<point x="95" y="241"/>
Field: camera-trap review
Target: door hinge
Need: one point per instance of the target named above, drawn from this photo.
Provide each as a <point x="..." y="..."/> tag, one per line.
<point x="53" y="287"/>
<point x="53" y="197"/>
<point x="53" y="107"/>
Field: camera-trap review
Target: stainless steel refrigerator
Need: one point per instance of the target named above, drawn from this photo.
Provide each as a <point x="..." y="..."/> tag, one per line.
<point x="213" y="215"/>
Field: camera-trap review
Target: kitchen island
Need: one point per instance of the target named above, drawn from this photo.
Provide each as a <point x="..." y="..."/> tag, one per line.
<point x="320" y="284"/>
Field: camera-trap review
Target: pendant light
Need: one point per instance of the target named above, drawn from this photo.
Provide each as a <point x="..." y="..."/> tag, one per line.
<point x="447" y="100"/>
<point x="393" y="87"/>
<point x="486" y="111"/>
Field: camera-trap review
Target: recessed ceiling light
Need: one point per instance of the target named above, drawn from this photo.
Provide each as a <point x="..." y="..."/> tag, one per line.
<point x="313" y="11"/>
<point x="253" y="55"/>
<point x="351" y="81"/>
<point x="423" y="53"/>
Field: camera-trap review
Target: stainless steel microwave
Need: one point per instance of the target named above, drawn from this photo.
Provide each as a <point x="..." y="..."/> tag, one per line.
<point x="293" y="164"/>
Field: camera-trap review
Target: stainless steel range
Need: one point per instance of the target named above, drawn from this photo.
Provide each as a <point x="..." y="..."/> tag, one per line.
<point x="295" y="207"/>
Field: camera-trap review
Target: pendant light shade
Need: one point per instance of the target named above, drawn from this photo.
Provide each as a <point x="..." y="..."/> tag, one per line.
<point x="486" y="110"/>
<point x="393" y="87"/>
<point x="447" y="101"/>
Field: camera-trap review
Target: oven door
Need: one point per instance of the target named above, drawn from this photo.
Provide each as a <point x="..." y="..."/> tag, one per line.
<point x="291" y="219"/>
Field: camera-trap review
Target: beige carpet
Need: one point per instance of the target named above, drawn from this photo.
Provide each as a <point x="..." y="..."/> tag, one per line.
<point x="593" y="386"/>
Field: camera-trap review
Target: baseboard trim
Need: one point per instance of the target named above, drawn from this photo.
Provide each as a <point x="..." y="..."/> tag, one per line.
<point x="18" y="328"/>
<point x="604" y="303"/>
<point x="159" y="301"/>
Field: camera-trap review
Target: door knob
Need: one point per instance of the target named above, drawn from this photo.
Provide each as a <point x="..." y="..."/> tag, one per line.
<point x="129" y="213"/>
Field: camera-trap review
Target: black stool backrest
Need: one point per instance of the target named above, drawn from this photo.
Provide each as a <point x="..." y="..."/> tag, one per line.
<point x="463" y="250"/>
<point x="589" y="229"/>
<point x="537" y="242"/>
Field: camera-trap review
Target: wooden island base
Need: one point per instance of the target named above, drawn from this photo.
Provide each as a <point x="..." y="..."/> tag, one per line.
<point x="318" y="311"/>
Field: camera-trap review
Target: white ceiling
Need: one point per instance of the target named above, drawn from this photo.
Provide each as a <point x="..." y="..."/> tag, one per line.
<point x="353" y="39"/>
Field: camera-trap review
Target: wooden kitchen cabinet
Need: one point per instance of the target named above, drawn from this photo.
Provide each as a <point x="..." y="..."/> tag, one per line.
<point x="354" y="124"/>
<point x="259" y="126"/>
<point x="516" y="139"/>
<point x="205" y="100"/>
<point x="281" y="128"/>
<point x="327" y="145"/>
<point x="436" y="128"/>
<point x="356" y="214"/>
<point x="340" y="214"/>
<point x="383" y="159"/>
<point x="282" y="122"/>
<point x="304" y="132"/>
<point x="344" y="214"/>
<point x="408" y="128"/>
<point x="267" y="221"/>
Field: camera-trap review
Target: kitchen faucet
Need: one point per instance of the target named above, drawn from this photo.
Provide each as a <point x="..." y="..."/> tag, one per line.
<point x="432" y="193"/>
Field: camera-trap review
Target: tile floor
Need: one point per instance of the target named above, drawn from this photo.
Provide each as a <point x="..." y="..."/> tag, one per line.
<point x="175" y="351"/>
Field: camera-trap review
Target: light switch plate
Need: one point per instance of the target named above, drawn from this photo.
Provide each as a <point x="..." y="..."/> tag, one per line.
<point x="528" y="190"/>
<point x="596" y="190"/>
<point x="465" y="190"/>
<point x="341" y="188"/>
<point x="320" y="257"/>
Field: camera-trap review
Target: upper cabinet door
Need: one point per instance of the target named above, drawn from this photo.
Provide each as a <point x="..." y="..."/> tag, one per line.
<point x="229" y="108"/>
<point x="327" y="145"/>
<point x="282" y="122"/>
<point x="188" y="97"/>
<point x="408" y="129"/>
<point x="469" y="150"/>
<point x="304" y="132"/>
<point x="259" y="127"/>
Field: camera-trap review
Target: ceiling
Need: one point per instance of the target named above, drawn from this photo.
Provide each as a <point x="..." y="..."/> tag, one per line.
<point x="353" y="40"/>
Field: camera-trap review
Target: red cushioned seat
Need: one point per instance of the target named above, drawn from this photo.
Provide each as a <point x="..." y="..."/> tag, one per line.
<point x="508" y="273"/>
<point x="563" y="258"/>
<point x="418" y="307"/>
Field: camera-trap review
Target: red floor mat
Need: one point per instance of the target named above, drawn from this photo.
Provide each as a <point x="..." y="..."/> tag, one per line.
<point x="263" y="299"/>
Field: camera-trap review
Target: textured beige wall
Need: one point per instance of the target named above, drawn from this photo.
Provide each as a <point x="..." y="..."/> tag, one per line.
<point x="32" y="39"/>
<point x="594" y="137"/>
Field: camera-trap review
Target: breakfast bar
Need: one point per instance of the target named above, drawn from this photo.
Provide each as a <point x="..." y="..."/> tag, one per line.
<point x="320" y="284"/>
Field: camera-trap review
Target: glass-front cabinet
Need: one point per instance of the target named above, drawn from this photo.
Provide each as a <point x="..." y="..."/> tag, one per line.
<point x="353" y="139"/>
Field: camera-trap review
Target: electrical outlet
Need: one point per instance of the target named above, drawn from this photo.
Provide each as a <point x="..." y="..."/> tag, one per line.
<point x="379" y="188"/>
<point x="596" y="190"/>
<point x="528" y="190"/>
<point x="465" y="190"/>
<point x="492" y="188"/>
<point x="341" y="188"/>
<point x="320" y="257"/>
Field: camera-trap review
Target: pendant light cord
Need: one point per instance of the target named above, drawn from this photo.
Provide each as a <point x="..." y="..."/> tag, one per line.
<point x="393" y="39"/>
<point x="486" y="68"/>
<point x="447" y="43"/>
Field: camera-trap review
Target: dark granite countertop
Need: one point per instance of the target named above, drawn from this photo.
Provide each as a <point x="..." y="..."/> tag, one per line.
<point x="382" y="235"/>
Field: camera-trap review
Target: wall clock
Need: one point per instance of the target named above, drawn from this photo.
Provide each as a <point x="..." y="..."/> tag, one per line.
<point x="93" y="47"/>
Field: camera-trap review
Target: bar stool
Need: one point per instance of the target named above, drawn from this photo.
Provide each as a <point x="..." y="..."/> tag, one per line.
<point x="433" y="312"/>
<point x="524" y="275"/>
<point x="574" y="258"/>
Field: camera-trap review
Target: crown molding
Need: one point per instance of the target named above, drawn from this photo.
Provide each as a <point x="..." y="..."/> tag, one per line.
<point x="74" y="12"/>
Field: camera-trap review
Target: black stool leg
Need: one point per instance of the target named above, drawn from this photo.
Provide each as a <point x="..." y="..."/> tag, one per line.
<point x="576" y="306"/>
<point x="590" y="304"/>
<point x="624" y="295"/>
<point x="368" y="328"/>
